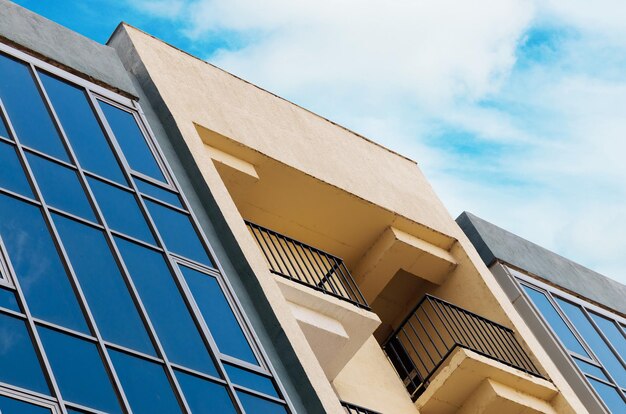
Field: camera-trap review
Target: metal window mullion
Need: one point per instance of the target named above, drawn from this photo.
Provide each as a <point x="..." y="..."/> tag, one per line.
<point x="604" y="338"/>
<point x="65" y="257"/>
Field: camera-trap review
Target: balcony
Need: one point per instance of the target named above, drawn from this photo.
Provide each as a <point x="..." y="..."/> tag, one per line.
<point x="439" y="336"/>
<point x="355" y="409"/>
<point x="322" y="295"/>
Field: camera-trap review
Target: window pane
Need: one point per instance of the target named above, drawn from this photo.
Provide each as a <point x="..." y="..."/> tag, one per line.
<point x="165" y="306"/>
<point x="103" y="285"/>
<point x="609" y="395"/>
<point x="595" y="342"/>
<point x="145" y="385"/>
<point x="37" y="264"/>
<point x="26" y="109"/>
<point x="555" y="321"/>
<point x="12" y="176"/>
<point x="590" y="369"/>
<point x="82" y="128"/>
<point x="205" y="397"/>
<point x="612" y="333"/>
<point x="158" y="193"/>
<point x="8" y="300"/>
<point x="79" y="371"/>
<point x="256" y="405"/>
<point x="218" y="315"/>
<point x="12" y="406"/>
<point x="251" y="380"/>
<point x="132" y="141"/>
<point x="4" y="131"/>
<point x="178" y="234"/>
<point x="121" y="211"/>
<point x="60" y="187"/>
<point x="19" y="364"/>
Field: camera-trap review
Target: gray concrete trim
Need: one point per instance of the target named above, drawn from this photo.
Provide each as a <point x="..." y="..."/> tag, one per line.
<point x="551" y="344"/>
<point x="63" y="47"/>
<point x="493" y="242"/>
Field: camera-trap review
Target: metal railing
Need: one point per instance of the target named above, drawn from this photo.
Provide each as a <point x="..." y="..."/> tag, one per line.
<point x="355" y="409"/>
<point x="435" y="328"/>
<point x="305" y="264"/>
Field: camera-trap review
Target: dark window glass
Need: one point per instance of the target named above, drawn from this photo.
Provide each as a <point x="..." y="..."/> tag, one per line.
<point x="218" y="315"/>
<point x="178" y="233"/>
<point x="205" y="397"/>
<point x="4" y="131"/>
<point x="251" y="380"/>
<point x="12" y="406"/>
<point x="555" y="321"/>
<point x="610" y="396"/>
<point x="256" y="405"/>
<point x="165" y="306"/>
<point x="82" y="128"/>
<point x="19" y="364"/>
<point x="60" y="187"/>
<point x="103" y="285"/>
<point x="132" y="141"/>
<point x="26" y="109"/>
<point x="590" y="369"/>
<point x="121" y="211"/>
<point x="79" y="371"/>
<point x="612" y="333"/>
<point x="158" y="193"/>
<point x="37" y="264"/>
<point x="71" y="411"/>
<point x="12" y="175"/>
<point x="8" y="300"/>
<point x="595" y="342"/>
<point x="145" y="385"/>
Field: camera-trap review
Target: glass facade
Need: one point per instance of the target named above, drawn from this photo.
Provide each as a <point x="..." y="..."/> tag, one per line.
<point x="110" y="298"/>
<point x="593" y="338"/>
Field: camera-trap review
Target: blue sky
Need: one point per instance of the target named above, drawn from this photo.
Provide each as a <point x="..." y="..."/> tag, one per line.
<point x="514" y="109"/>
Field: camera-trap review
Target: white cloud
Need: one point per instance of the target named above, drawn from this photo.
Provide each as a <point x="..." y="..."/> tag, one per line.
<point x="411" y="73"/>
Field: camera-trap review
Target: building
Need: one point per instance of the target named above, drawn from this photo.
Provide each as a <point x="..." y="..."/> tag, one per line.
<point x="176" y="239"/>
<point x="578" y="314"/>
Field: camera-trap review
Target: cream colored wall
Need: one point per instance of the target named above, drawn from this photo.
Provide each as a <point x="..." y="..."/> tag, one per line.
<point x="198" y="93"/>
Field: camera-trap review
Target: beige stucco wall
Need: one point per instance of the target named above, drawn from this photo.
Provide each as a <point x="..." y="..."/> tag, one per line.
<point x="197" y="93"/>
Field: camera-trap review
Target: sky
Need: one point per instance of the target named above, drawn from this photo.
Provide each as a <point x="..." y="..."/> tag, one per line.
<point x="514" y="109"/>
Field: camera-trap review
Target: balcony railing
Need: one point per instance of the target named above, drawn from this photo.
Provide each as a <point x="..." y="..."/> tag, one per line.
<point x="355" y="409"/>
<point x="307" y="265"/>
<point x="435" y="328"/>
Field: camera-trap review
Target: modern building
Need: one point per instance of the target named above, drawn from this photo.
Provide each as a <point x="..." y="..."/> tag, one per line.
<point x="175" y="239"/>
<point x="578" y="314"/>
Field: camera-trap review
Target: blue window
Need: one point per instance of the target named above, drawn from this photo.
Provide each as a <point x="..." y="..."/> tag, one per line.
<point x="121" y="211"/>
<point x="590" y="369"/>
<point x="19" y="364"/>
<point x="555" y="321"/>
<point x="610" y="396"/>
<point x="8" y="300"/>
<point x="60" y="187"/>
<point x="257" y="405"/>
<point x="218" y="315"/>
<point x="37" y="264"/>
<point x="26" y="109"/>
<point x="205" y="397"/>
<point x="82" y="128"/>
<point x="612" y="333"/>
<point x="79" y="371"/>
<point x="178" y="233"/>
<point x="146" y="387"/>
<point x="4" y="131"/>
<point x="103" y="285"/>
<point x="158" y="193"/>
<point x="13" y="406"/>
<point x="166" y="308"/>
<point x="251" y="380"/>
<point x="132" y="141"/>
<point x="12" y="175"/>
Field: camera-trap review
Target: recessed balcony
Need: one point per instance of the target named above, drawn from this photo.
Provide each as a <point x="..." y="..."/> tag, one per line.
<point x="441" y="348"/>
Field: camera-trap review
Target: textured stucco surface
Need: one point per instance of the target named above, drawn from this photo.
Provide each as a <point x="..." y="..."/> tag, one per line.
<point x="57" y="44"/>
<point x="494" y="243"/>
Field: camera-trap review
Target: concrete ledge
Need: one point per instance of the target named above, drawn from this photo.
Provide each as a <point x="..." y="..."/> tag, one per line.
<point x="469" y="381"/>
<point x="335" y="329"/>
